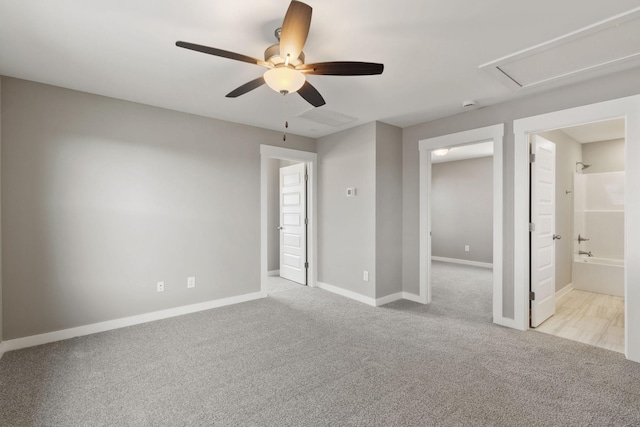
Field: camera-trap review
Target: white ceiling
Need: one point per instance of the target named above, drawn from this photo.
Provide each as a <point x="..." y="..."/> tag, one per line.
<point x="431" y="50"/>
<point x="598" y="131"/>
<point x="465" y="152"/>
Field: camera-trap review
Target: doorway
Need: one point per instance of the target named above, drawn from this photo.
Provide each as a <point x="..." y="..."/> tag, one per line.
<point x="586" y="298"/>
<point x="462" y="229"/>
<point x="426" y="147"/>
<point x="629" y="109"/>
<point x="308" y="161"/>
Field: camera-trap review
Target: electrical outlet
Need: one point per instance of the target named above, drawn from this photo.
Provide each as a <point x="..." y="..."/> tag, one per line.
<point x="466" y="248"/>
<point x="365" y="276"/>
<point x="160" y="287"/>
<point x="191" y="282"/>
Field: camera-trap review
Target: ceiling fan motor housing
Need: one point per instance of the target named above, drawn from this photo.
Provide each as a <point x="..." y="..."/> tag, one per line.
<point x="272" y="56"/>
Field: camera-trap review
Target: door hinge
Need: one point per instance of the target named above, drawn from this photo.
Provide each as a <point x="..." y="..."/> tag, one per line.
<point x="532" y="296"/>
<point x="306" y="221"/>
<point x="532" y="158"/>
<point x="532" y="227"/>
<point x="306" y="265"/>
<point x="306" y="177"/>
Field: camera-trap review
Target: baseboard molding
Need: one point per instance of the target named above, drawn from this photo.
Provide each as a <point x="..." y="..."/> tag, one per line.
<point x="108" y="325"/>
<point x="373" y="302"/>
<point x="413" y="297"/>
<point x="388" y="299"/>
<point x="346" y="293"/>
<point x="565" y="290"/>
<point x="463" y="261"/>
<point x="273" y="273"/>
<point x="508" y="323"/>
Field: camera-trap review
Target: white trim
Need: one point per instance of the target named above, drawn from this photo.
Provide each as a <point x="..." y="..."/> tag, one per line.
<point x="273" y="273"/>
<point x="462" y="261"/>
<point x="388" y="299"/>
<point x="411" y="297"/>
<point x="494" y="133"/>
<point x="368" y="300"/>
<point x="109" y="325"/>
<point x="564" y="291"/>
<point x="629" y="109"/>
<point x="346" y="293"/>
<point x="311" y="159"/>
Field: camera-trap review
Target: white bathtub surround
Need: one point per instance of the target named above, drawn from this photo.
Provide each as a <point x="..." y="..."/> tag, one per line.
<point x="599" y="217"/>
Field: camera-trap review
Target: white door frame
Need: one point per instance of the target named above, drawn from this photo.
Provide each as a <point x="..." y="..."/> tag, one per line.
<point x="629" y="109"/>
<point x="311" y="159"/>
<point x="494" y="133"/>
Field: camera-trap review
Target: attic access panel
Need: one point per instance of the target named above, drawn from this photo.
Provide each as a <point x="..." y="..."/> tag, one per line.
<point x="606" y="46"/>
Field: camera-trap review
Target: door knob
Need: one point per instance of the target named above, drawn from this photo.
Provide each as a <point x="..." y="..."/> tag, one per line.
<point x="557" y="237"/>
<point x="280" y="228"/>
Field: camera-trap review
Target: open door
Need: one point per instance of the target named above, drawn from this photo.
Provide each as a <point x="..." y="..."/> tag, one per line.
<point x="293" y="223"/>
<point x="543" y="201"/>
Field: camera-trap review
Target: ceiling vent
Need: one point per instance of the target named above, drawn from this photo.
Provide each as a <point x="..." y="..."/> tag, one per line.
<point x="327" y="117"/>
<point x="606" y="46"/>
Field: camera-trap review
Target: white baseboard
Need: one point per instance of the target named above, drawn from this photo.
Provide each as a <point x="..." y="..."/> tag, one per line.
<point x="273" y="273"/>
<point x="463" y="261"/>
<point x="346" y="293"/>
<point x="368" y="300"/>
<point x="412" y="297"/>
<point x="565" y="290"/>
<point x="388" y="299"/>
<point x="64" y="334"/>
<point x="508" y="323"/>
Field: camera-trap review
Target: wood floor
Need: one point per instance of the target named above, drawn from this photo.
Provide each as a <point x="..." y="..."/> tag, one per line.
<point x="590" y="318"/>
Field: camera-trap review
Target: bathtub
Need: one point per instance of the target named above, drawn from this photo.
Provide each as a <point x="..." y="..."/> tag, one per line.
<point x="601" y="275"/>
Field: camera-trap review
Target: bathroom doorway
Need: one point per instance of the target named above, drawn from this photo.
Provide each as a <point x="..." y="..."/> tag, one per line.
<point x="588" y="235"/>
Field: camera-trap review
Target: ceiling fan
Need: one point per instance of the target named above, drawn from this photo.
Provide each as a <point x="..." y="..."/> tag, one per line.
<point x="285" y="61"/>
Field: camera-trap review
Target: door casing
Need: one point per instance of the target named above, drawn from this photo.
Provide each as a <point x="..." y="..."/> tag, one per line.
<point x="629" y="109"/>
<point x="426" y="146"/>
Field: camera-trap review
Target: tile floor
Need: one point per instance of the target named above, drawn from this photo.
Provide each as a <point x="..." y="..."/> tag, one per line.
<point x="590" y="318"/>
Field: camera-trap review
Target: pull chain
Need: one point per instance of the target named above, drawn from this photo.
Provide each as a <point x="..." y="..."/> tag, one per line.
<point x="286" y="122"/>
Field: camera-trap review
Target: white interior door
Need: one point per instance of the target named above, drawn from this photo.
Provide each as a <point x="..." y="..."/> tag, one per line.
<point x="293" y="228"/>
<point x="543" y="201"/>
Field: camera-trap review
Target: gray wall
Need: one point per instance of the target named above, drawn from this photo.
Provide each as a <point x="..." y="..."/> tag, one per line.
<point x="617" y="85"/>
<point x="346" y="225"/>
<point x="102" y="198"/>
<point x="568" y="152"/>
<point x="462" y="209"/>
<point x="604" y="156"/>
<point x="388" y="209"/>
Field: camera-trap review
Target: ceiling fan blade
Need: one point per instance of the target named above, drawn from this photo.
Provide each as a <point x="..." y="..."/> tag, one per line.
<point x="221" y="53"/>
<point x="311" y="95"/>
<point x="247" y="87"/>
<point x="342" y="68"/>
<point x="295" y="29"/>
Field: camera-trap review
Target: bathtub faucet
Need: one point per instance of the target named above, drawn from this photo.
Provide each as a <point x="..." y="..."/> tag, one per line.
<point x="582" y="239"/>
<point x="587" y="253"/>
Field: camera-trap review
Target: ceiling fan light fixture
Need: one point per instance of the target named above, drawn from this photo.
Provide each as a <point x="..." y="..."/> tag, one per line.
<point x="441" y="151"/>
<point x="284" y="79"/>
